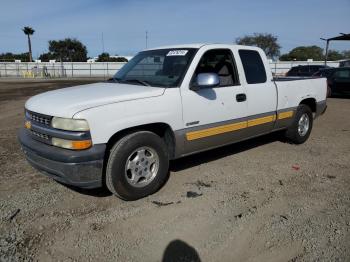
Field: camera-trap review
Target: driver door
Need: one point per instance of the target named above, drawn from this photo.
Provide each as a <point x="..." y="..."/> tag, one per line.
<point x="212" y="115"/>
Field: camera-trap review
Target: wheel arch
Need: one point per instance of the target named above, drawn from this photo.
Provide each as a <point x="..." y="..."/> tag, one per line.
<point x="163" y="130"/>
<point x="310" y="102"/>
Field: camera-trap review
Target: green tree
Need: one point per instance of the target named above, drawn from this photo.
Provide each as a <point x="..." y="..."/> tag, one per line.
<point x="66" y="50"/>
<point x="105" y="57"/>
<point x="46" y="57"/>
<point x="334" y="55"/>
<point x="121" y="59"/>
<point x="266" y="42"/>
<point x="302" y="53"/>
<point x="28" y="31"/>
<point x="346" y="54"/>
<point x="10" y="57"/>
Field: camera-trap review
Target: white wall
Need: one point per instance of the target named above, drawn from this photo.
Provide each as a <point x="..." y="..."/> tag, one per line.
<point x="75" y="69"/>
<point x="282" y="67"/>
<point x="84" y="69"/>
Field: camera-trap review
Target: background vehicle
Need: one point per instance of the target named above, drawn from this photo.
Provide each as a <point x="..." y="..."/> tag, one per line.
<point x="324" y="72"/>
<point x="165" y="103"/>
<point x="304" y="70"/>
<point x="344" y="63"/>
<point x="338" y="80"/>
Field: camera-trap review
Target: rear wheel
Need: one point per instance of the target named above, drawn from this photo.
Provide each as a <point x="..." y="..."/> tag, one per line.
<point x="301" y="127"/>
<point x="137" y="166"/>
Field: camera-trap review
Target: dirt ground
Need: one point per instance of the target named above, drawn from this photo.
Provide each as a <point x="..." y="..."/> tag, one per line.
<point x="259" y="200"/>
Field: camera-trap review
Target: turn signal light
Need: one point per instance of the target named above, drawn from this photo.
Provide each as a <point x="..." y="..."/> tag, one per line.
<point x="71" y="144"/>
<point x="28" y="124"/>
<point x="78" y="145"/>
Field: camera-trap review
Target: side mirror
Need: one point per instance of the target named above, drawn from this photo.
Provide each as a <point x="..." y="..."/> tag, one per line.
<point x="205" y="80"/>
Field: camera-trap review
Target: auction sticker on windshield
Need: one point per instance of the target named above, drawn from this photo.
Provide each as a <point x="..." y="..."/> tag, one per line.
<point x="177" y="53"/>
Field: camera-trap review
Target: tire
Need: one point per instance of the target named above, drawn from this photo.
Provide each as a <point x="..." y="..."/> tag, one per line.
<point x="296" y="133"/>
<point x="137" y="165"/>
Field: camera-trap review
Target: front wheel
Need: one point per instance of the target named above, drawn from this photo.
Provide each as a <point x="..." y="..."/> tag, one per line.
<point x="301" y="127"/>
<point x="137" y="166"/>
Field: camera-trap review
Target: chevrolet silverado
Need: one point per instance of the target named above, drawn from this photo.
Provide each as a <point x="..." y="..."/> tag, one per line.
<point x="164" y="104"/>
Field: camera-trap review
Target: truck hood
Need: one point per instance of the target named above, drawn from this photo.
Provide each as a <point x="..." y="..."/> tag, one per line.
<point x="68" y="101"/>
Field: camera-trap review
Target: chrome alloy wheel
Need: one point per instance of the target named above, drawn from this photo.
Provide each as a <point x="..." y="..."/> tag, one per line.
<point x="303" y="125"/>
<point x="142" y="166"/>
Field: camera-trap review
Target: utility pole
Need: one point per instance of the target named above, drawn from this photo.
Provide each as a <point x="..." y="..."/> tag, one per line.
<point x="103" y="50"/>
<point x="103" y="43"/>
<point x="146" y="39"/>
<point x="327" y="46"/>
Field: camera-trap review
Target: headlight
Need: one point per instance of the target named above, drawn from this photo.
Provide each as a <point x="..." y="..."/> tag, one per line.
<point x="70" y="124"/>
<point x="70" y="144"/>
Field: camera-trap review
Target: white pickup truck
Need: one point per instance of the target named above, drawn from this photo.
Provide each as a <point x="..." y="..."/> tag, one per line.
<point x="165" y="103"/>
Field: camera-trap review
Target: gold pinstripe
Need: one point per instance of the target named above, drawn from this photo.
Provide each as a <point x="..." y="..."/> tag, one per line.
<point x="215" y="130"/>
<point x="284" y="115"/>
<point x="261" y="120"/>
<point x="236" y="126"/>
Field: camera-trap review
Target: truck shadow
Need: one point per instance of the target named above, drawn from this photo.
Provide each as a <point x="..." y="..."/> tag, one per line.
<point x="214" y="154"/>
<point x="96" y="192"/>
<point x="178" y="250"/>
<point x="196" y="159"/>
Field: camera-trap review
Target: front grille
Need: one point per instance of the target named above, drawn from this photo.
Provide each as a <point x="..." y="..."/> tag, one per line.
<point x="38" y="118"/>
<point x="40" y="135"/>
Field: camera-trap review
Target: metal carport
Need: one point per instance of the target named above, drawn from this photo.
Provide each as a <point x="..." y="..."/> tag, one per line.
<point x="341" y="37"/>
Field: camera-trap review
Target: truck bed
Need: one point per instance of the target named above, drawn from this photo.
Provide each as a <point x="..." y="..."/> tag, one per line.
<point x="292" y="78"/>
<point x="292" y="90"/>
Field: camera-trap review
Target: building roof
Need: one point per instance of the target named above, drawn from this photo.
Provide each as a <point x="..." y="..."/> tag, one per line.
<point x="341" y="37"/>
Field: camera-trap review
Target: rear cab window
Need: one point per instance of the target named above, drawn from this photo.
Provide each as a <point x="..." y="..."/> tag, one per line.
<point x="253" y="66"/>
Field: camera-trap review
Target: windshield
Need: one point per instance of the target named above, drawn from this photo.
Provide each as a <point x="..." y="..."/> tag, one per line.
<point x="162" y="67"/>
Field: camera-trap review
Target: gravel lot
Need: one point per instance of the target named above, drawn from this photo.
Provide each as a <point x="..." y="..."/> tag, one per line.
<point x="260" y="200"/>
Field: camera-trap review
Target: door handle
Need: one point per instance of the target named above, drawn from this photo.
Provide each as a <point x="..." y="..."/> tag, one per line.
<point x="241" y="97"/>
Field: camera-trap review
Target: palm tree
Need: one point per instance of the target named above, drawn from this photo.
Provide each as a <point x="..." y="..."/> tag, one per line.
<point x="29" y="31"/>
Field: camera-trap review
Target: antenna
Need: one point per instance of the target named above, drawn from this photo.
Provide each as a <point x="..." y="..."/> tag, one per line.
<point x="103" y="50"/>
<point x="103" y="43"/>
<point x="146" y="39"/>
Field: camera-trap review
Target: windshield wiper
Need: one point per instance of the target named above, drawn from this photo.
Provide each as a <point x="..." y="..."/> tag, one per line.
<point x="142" y="82"/>
<point x="119" y="80"/>
<point x="114" y="79"/>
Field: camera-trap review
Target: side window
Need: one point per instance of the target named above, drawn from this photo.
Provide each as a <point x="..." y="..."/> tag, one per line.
<point x="314" y="69"/>
<point x="219" y="61"/>
<point x="304" y="69"/>
<point x="253" y="66"/>
<point x="294" y="70"/>
<point x="342" y="74"/>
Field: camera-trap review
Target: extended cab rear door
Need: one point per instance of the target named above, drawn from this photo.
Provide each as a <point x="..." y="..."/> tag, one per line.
<point x="260" y="89"/>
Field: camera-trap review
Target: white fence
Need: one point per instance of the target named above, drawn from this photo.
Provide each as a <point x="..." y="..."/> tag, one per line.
<point x="103" y="69"/>
<point x="54" y="70"/>
<point x="282" y="67"/>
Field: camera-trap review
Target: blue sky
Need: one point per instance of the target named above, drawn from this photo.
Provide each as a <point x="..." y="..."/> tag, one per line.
<point x="123" y="23"/>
